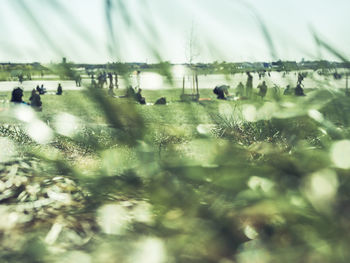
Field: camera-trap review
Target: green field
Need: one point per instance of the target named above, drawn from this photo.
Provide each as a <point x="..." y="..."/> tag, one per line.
<point x="191" y="181"/>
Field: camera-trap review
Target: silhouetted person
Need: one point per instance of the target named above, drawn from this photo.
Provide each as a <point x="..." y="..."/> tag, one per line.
<point x="300" y="78"/>
<point x="336" y="75"/>
<point x="35" y="101"/>
<point x="221" y="92"/>
<point x="104" y="77"/>
<point x="59" y="89"/>
<point x="77" y="79"/>
<point x="249" y="84"/>
<point x="110" y="77"/>
<point x="16" y="96"/>
<point x="38" y="89"/>
<point x="139" y="98"/>
<point x="42" y="90"/>
<point x="100" y="80"/>
<point x="20" y="78"/>
<point x="160" y="101"/>
<point x="299" y="91"/>
<point x="262" y="89"/>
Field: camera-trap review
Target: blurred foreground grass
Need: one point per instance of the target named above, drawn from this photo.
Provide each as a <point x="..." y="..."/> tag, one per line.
<point x="107" y="180"/>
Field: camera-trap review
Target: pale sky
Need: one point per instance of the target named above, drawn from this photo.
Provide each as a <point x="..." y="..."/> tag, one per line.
<point x="149" y="30"/>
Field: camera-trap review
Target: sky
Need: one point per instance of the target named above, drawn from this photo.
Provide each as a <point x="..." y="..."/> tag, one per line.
<point x="179" y="31"/>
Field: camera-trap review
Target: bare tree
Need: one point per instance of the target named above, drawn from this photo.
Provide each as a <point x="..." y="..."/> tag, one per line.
<point x="192" y="50"/>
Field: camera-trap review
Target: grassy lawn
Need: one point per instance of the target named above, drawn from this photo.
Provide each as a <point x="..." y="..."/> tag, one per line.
<point x="217" y="174"/>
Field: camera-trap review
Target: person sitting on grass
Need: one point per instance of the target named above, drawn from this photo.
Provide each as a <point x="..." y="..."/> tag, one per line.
<point x="59" y="89"/>
<point x="35" y="101"/>
<point x="160" y="101"/>
<point x="139" y="98"/>
<point x="221" y="91"/>
<point x="262" y="89"/>
<point x="42" y="90"/>
<point x="16" y="96"/>
<point x="299" y="91"/>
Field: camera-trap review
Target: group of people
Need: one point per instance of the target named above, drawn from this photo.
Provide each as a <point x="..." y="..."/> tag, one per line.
<point x="41" y="89"/>
<point x="103" y="78"/>
<point x="242" y="91"/>
<point x="247" y="90"/>
<point x="35" y="99"/>
<point x="298" y="90"/>
<point x="137" y="96"/>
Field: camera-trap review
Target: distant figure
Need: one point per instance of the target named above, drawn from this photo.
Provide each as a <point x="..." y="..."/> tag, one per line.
<point x="100" y="80"/>
<point x="35" y="101"/>
<point x="262" y="89"/>
<point x="336" y="75"/>
<point x="221" y="91"/>
<point x="160" y="101"/>
<point x="38" y="89"/>
<point x="16" y="96"/>
<point x="104" y="77"/>
<point x="299" y="91"/>
<point x="288" y="90"/>
<point x="139" y="98"/>
<point x="110" y="78"/>
<point x="42" y="90"/>
<point x="249" y="85"/>
<point x="77" y="79"/>
<point x="240" y="89"/>
<point x="300" y="78"/>
<point x="59" y="89"/>
<point x="20" y="78"/>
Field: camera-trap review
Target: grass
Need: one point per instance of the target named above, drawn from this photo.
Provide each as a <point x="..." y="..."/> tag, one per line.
<point x="210" y="180"/>
<point x="219" y="181"/>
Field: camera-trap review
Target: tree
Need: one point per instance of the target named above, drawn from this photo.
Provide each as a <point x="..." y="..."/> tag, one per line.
<point x="192" y="50"/>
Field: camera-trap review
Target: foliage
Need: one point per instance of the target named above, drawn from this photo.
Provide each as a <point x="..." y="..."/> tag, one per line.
<point x="99" y="179"/>
<point x="225" y="188"/>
